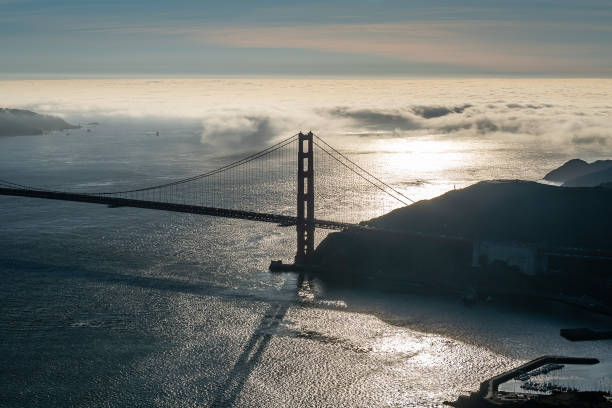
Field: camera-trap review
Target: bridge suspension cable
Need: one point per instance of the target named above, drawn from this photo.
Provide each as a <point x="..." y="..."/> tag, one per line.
<point x="265" y="182"/>
<point x="221" y="169"/>
<point x="15" y="185"/>
<point x="364" y="171"/>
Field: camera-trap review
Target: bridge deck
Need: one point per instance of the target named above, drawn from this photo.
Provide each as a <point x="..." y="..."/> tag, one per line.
<point x="285" y="220"/>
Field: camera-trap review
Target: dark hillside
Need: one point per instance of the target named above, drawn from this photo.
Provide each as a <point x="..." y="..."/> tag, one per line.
<point x="513" y="211"/>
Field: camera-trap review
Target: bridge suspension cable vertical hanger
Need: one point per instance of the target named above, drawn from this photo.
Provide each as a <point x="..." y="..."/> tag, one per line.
<point x="305" y="199"/>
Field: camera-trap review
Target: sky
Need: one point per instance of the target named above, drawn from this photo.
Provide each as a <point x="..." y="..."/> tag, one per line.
<point x="83" y="38"/>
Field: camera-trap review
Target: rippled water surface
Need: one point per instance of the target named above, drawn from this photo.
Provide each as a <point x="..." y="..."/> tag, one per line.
<point x="127" y="307"/>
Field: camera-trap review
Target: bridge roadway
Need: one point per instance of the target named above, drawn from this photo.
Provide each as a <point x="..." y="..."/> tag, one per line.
<point x="284" y="220"/>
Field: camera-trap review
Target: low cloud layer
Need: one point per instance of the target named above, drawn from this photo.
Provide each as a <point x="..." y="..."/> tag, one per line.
<point x="234" y="114"/>
<point x="544" y="122"/>
<point x="538" y="123"/>
<point x="376" y="118"/>
<point x="232" y="131"/>
<point x="429" y="112"/>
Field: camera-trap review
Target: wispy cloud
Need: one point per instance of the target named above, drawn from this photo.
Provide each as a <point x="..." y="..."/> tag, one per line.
<point x="339" y="37"/>
<point x="485" y="46"/>
<point x="458" y="43"/>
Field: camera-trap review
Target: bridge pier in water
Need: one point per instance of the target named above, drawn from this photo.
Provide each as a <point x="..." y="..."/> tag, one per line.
<point x="305" y="199"/>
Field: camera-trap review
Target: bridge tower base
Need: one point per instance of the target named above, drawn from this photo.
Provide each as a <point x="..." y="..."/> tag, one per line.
<point x="305" y="199"/>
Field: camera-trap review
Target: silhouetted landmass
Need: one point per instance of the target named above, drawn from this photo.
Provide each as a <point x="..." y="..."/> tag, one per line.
<point x="527" y="221"/>
<point x="585" y="334"/>
<point x="522" y="211"/>
<point x="575" y="169"/>
<point x="18" y="122"/>
<point x="591" y="179"/>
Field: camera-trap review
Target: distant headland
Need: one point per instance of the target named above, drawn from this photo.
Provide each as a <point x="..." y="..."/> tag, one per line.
<point x="578" y="173"/>
<point x="19" y="122"/>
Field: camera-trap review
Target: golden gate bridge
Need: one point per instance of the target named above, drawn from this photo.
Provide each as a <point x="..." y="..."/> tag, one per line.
<point x="229" y="191"/>
<point x="264" y="186"/>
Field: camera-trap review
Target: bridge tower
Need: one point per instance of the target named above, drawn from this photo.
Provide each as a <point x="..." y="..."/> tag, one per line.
<point x="305" y="199"/>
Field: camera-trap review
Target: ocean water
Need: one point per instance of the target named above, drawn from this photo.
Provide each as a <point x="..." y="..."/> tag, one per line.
<point x="128" y="307"/>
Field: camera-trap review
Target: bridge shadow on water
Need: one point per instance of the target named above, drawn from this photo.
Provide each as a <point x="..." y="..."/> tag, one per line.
<point x="231" y="388"/>
<point x="250" y="356"/>
<point x="252" y="353"/>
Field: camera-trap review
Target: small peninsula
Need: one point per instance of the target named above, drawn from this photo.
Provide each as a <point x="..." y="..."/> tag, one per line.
<point x="19" y="122"/>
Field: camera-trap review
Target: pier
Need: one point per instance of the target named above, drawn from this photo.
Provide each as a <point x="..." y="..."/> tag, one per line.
<point x="488" y="389"/>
